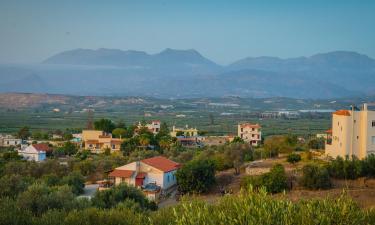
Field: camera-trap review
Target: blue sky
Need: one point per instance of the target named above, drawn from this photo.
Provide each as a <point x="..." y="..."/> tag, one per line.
<point x="224" y="31"/>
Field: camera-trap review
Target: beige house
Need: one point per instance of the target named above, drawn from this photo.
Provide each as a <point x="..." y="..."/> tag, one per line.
<point x="153" y="175"/>
<point x="97" y="141"/>
<point x="153" y="127"/>
<point x="250" y="133"/>
<point x="352" y="133"/>
<point x="187" y="132"/>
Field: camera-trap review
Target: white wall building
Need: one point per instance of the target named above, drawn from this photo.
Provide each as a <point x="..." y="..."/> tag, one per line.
<point x="158" y="170"/>
<point x="352" y="133"/>
<point x="35" y="152"/>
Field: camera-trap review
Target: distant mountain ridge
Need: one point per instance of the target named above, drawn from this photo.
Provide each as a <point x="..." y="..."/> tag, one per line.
<point x="186" y="73"/>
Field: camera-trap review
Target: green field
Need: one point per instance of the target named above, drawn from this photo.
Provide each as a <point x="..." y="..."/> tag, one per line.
<point x="11" y="121"/>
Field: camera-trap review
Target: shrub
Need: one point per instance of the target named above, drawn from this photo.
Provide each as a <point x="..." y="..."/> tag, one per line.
<point x="274" y="181"/>
<point x="76" y="181"/>
<point x="345" y="168"/>
<point x="368" y="166"/>
<point x="196" y="176"/>
<point x="293" y="158"/>
<point x="112" y="197"/>
<point x="315" y="177"/>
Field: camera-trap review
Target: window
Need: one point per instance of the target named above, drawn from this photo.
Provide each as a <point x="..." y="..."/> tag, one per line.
<point x="168" y="178"/>
<point x="373" y="123"/>
<point x="373" y="140"/>
<point x="113" y="146"/>
<point x="252" y="129"/>
<point x="241" y="129"/>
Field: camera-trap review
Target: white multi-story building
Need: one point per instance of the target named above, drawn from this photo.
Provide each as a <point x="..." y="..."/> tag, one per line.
<point x="352" y="133"/>
<point x="250" y="133"/>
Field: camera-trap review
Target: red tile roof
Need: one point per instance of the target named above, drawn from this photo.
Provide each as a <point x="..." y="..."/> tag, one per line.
<point x="42" y="147"/>
<point x="121" y="173"/>
<point x="92" y="141"/>
<point x="161" y="163"/>
<point x="329" y="131"/>
<point x="342" y="113"/>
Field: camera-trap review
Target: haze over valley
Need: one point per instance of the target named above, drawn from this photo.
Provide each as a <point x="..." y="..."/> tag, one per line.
<point x="188" y="74"/>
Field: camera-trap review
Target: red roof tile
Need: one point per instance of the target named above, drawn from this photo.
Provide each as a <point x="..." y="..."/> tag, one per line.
<point x="161" y="163"/>
<point x="42" y="147"/>
<point x="342" y="113"/>
<point x="329" y="131"/>
<point x="121" y="173"/>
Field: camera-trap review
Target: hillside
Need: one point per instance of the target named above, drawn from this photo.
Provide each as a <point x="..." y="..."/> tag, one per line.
<point x="188" y="74"/>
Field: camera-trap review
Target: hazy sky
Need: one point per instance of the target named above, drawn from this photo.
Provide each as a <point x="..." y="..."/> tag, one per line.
<point x="224" y="31"/>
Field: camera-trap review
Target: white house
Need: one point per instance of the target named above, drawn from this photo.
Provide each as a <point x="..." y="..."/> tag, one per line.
<point x="153" y="127"/>
<point x="35" y="152"/>
<point x="9" y="140"/>
<point x="157" y="173"/>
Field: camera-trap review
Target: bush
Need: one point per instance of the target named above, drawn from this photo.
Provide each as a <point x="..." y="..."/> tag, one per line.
<point x="368" y="166"/>
<point x="345" y="168"/>
<point x="76" y="181"/>
<point x="293" y="158"/>
<point x="315" y="177"/>
<point x="274" y="181"/>
<point x="196" y="176"/>
<point x="112" y="197"/>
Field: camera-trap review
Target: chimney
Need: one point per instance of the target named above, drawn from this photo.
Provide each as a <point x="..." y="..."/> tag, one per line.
<point x="365" y="107"/>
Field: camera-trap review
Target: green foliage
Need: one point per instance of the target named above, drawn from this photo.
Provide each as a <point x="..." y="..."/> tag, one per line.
<point x="236" y="153"/>
<point x="39" y="198"/>
<point x="317" y="143"/>
<point x="119" y="132"/>
<point x="111" y="198"/>
<point x="196" y="176"/>
<point x="13" y="184"/>
<point x="274" y="181"/>
<point x="105" y="125"/>
<point x="293" y="158"/>
<point x="368" y="166"/>
<point x="238" y="140"/>
<point x="24" y="133"/>
<point x="345" y="168"/>
<point x="76" y="181"/>
<point x="315" y="177"/>
<point x="69" y="148"/>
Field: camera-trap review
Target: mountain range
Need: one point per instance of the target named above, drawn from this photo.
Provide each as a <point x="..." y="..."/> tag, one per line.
<point x="186" y="73"/>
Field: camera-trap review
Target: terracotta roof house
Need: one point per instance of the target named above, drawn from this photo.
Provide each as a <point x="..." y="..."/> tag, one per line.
<point x="158" y="171"/>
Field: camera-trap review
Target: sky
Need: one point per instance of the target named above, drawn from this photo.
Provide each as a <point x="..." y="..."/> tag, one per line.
<point x="223" y="31"/>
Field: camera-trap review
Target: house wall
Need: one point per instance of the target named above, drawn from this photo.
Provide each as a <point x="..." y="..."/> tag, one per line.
<point x="31" y="154"/>
<point x="91" y="134"/>
<point x="247" y="133"/>
<point x="7" y="142"/>
<point x="169" y="179"/>
<point x="153" y="175"/>
<point x="352" y="135"/>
